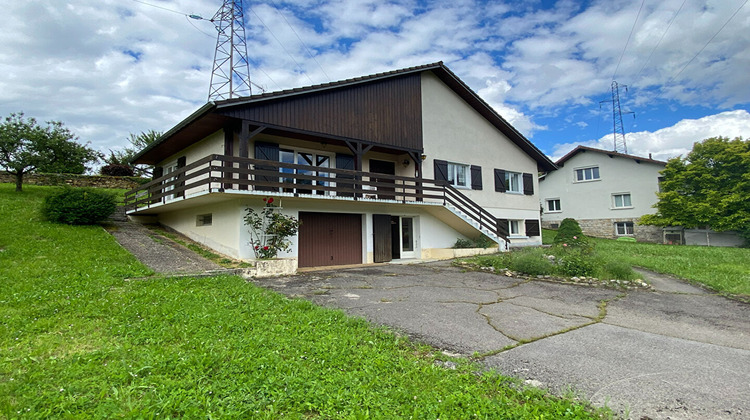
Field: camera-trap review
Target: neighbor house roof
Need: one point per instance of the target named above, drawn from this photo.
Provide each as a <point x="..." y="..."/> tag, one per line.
<point x="205" y="118"/>
<point x="610" y="153"/>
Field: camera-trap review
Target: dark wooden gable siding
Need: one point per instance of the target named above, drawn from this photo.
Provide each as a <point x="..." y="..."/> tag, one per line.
<point x="385" y="111"/>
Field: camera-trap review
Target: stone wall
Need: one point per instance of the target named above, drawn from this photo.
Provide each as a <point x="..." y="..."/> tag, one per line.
<point x="605" y="228"/>
<point x="95" y="181"/>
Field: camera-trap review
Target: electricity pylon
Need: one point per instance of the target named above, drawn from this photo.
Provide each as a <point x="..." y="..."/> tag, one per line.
<point x="230" y="77"/>
<point x="618" y="128"/>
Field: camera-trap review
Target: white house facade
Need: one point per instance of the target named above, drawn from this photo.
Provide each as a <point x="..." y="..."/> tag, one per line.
<point x="395" y="165"/>
<point x="605" y="191"/>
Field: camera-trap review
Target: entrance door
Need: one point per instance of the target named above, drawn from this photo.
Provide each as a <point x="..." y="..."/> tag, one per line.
<point x="388" y="168"/>
<point x="395" y="237"/>
<point x="382" y="247"/>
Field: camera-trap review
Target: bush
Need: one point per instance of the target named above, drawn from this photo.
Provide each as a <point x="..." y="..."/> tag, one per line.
<point x="463" y="243"/>
<point x="532" y="264"/>
<point x="569" y="232"/>
<point x="117" y="170"/>
<point x="79" y="206"/>
<point x="481" y="242"/>
<point x="577" y="264"/>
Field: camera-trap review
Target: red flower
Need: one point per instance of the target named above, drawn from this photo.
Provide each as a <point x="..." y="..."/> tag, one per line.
<point x="257" y="247"/>
<point x="265" y="248"/>
<point x="265" y="199"/>
<point x="270" y="200"/>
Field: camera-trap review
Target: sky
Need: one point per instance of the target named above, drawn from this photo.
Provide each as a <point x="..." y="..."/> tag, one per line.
<point x="108" y="68"/>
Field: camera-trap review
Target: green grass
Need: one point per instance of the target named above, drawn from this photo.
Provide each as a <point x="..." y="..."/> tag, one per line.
<point x="726" y="270"/>
<point x="79" y="340"/>
<point x="723" y="269"/>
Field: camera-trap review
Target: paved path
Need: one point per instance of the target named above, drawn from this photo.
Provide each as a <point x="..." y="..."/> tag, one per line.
<point x="676" y="353"/>
<point x="161" y="254"/>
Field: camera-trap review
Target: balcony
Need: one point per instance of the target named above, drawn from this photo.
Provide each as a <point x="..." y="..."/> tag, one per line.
<point x="220" y="174"/>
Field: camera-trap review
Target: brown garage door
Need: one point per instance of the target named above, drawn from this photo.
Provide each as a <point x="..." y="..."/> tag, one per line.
<point x="329" y="239"/>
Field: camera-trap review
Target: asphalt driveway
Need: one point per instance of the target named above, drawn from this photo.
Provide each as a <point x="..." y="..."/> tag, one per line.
<point x="677" y="353"/>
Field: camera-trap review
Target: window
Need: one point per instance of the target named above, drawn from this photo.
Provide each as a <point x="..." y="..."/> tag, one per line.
<point x="553" y="205"/>
<point x="313" y="160"/>
<point x="458" y="175"/>
<point x="514" y="227"/>
<point x="624" y="228"/>
<point x="587" y="174"/>
<point x="621" y="201"/>
<point x="514" y="182"/>
<point x="204" y="219"/>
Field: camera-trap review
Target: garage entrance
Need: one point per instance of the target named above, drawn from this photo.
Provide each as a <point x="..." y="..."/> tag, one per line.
<point x="329" y="239"/>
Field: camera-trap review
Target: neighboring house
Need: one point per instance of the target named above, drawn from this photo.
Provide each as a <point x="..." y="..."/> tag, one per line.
<point x="389" y="166"/>
<point x="605" y="191"/>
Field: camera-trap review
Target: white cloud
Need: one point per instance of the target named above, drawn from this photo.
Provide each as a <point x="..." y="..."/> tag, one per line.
<point x="672" y="141"/>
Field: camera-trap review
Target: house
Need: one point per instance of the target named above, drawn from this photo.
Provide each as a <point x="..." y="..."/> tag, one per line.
<point x="394" y="165"/>
<point x="605" y="191"/>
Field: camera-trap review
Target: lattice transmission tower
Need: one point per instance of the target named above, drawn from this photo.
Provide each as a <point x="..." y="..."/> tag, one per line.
<point x="618" y="128"/>
<point x="230" y="77"/>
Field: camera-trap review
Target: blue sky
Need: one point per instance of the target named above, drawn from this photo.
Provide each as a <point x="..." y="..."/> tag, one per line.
<point x="108" y="68"/>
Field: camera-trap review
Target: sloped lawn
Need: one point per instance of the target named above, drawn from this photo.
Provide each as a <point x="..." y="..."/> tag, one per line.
<point x="84" y="335"/>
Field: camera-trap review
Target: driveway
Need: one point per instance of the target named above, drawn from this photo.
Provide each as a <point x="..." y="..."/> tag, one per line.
<point x="676" y="353"/>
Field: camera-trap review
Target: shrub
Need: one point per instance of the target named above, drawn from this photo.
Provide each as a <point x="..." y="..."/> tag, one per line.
<point x="270" y="230"/>
<point x="531" y="263"/>
<point x="463" y="243"/>
<point x="79" y="206"/>
<point x="568" y="232"/>
<point x="117" y="170"/>
<point x="577" y="264"/>
<point x="481" y="242"/>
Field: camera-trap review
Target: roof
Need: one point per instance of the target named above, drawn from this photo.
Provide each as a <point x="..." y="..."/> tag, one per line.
<point x="610" y="153"/>
<point x="438" y="68"/>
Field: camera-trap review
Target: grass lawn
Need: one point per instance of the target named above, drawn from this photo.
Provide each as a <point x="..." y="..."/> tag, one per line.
<point x="78" y="340"/>
<point x="726" y="270"/>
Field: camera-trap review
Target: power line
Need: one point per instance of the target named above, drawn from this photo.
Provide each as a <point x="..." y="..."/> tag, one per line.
<point x="628" y="41"/>
<point x="671" y="79"/>
<point x="660" y="39"/>
<point x="300" y="40"/>
<point x="282" y="46"/>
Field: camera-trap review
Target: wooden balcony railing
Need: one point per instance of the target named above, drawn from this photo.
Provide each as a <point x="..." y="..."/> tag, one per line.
<point x="220" y="173"/>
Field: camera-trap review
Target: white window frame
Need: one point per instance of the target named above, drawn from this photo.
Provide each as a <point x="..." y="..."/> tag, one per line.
<point x="168" y="169"/>
<point x="520" y="230"/>
<point x="453" y="175"/>
<point x="594" y="171"/>
<point x="509" y="176"/>
<point x="551" y="200"/>
<point x="626" y="226"/>
<point x="622" y="196"/>
<point x="331" y="163"/>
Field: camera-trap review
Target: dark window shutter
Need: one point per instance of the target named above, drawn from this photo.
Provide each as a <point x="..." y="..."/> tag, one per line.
<point x="441" y="170"/>
<point x="476" y="177"/>
<point x="532" y="227"/>
<point x="528" y="184"/>
<point x="344" y="162"/>
<point x="500" y="180"/>
<point x="158" y="172"/>
<point x="266" y="151"/>
<point x="181" y="162"/>
<point x="502" y="228"/>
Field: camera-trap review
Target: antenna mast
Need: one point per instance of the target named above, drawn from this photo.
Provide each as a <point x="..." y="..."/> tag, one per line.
<point x="618" y="128"/>
<point x="230" y="77"/>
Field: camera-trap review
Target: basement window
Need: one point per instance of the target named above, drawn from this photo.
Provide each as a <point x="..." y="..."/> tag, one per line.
<point x="204" y="219"/>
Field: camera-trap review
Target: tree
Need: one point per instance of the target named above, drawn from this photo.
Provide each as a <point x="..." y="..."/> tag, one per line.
<point x="26" y="146"/>
<point x="138" y="142"/>
<point x="710" y="186"/>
